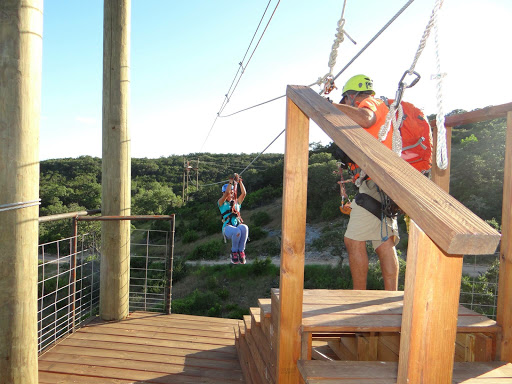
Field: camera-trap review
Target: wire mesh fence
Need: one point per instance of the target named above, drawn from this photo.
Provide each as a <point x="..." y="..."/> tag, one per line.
<point x="479" y="285"/>
<point x="69" y="279"/>
<point x="150" y="263"/>
<point x="68" y="291"/>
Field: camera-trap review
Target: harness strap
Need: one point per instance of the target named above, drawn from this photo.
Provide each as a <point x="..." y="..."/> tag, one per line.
<point x="419" y="142"/>
<point x="377" y="208"/>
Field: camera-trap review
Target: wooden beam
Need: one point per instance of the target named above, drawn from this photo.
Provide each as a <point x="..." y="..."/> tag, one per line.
<point x="453" y="227"/>
<point x="429" y="320"/>
<point x="504" y="310"/>
<point x="21" y="28"/>
<point x="116" y="179"/>
<point x="484" y="114"/>
<point x="293" y="244"/>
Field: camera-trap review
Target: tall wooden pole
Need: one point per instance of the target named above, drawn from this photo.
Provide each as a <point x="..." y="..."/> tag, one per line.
<point x="293" y="243"/>
<point x="504" y="311"/>
<point x="116" y="173"/>
<point x="21" y="28"/>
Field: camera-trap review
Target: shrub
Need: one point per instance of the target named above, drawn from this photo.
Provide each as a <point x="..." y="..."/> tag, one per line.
<point x="198" y="303"/>
<point x="261" y="197"/>
<point x="256" y="233"/>
<point x="263" y="267"/>
<point x="261" y="218"/>
<point x="190" y="236"/>
<point x="207" y="251"/>
<point x="179" y="270"/>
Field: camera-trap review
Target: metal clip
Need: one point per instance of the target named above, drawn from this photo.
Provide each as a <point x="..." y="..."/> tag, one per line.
<point x="402" y="85"/>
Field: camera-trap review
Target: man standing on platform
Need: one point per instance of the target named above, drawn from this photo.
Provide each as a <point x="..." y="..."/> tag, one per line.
<point x="367" y="220"/>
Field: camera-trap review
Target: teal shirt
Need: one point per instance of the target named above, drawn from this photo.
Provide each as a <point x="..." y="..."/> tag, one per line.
<point x="225" y="208"/>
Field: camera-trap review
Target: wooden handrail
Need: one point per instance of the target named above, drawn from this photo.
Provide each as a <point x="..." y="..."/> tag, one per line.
<point x="453" y="227"/>
<point x="488" y="113"/>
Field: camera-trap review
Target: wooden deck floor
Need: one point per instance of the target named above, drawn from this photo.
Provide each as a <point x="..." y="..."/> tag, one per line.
<point x="146" y="348"/>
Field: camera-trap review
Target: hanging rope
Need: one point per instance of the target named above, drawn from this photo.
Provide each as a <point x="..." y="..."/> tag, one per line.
<point x="327" y="79"/>
<point x="442" y="152"/>
<point x="395" y="107"/>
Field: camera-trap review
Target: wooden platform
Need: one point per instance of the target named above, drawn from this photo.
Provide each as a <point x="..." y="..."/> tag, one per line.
<point x="146" y="348"/>
<point x="348" y="336"/>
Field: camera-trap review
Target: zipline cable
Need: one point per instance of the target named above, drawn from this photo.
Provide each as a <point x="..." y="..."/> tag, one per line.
<point x="250" y="58"/>
<point x="240" y="65"/>
<point x="228" y="96"/>
<point x="224" y="181"/>
<point x="344" y="68"/>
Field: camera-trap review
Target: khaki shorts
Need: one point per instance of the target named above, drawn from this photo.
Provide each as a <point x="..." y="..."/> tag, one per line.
<point x="365" y="226"/>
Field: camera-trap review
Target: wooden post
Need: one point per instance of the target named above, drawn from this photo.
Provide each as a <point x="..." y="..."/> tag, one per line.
<point x="293" y="243"/>
<point x="504" y="310"/>
<point x="429" y="321"/>
<point x="116" y="173"/>
<point x="439" y="176"/>
<point x="21" y="28"/>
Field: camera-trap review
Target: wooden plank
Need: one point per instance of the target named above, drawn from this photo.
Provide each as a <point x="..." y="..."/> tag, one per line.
<point x="247" y="364"/>
<point x="431" y="299"/>
<point x="293" y="243"/>
<point x="65" y="378"/>
<point x="306" y="345"/>
<point x="98" y="373"/>
<point x="504" y="310"/>
<point x="484" y="114"/>
<point x="269" y="356"/>
<point x="255" y="355"/>
<point x="265" y="308"/>
<point x="179" y="318"/>
<point x="362" y="370"/>
<point x="366" y="347"/>
<point x="255" y="315"/>
<point x="144" y="365"/>
<point x="453" y="227"/>
<point x="385" y="323"/>
<point x="200" y="360"/>
<point x="167" y="331"/>
<point x="352" y="372"/>
<point x="154" y="342"/>
<point x="212" y="339"/>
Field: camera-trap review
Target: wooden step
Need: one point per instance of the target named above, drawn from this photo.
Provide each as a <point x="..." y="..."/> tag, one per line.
<point x="380" y="372"/>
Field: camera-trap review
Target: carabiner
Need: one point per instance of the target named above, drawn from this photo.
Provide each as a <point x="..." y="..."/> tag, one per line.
<point x="401" y="82"/>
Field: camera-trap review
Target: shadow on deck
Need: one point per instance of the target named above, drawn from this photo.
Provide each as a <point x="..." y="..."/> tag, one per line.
<point x="146" y="348"/>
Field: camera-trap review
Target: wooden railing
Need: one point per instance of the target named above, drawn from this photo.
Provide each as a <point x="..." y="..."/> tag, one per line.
<point x="442" y="231"/>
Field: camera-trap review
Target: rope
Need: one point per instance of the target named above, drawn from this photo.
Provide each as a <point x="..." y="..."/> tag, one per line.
<point x="374" y="37"/>
<point x="441" y="153"/>
<point x="395" y="106"/>
<point x="327" y="78"/>
<point x="19" y="205"/>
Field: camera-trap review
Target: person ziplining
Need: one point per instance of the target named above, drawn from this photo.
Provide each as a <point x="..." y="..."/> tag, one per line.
<point x="232" y="224"/>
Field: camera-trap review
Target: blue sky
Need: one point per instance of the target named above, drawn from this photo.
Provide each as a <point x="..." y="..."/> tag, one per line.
<point x="185" y="54"/>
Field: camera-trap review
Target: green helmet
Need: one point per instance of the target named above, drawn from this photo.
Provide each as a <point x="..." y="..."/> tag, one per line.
<point x="359" y="83"/>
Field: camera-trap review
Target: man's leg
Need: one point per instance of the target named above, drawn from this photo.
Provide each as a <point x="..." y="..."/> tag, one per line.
<point x="388" y="264"/>
<point x="358" y="260"/>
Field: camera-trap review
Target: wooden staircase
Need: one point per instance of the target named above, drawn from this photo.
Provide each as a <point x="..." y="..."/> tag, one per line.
<point x="354" y="337"/>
